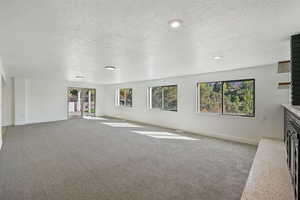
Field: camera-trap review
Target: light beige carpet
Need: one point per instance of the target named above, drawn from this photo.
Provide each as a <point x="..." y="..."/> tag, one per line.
<point x="87" y="160"/>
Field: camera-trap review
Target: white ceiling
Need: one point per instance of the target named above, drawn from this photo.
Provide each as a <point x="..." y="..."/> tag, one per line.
<point x="60" y="39"/>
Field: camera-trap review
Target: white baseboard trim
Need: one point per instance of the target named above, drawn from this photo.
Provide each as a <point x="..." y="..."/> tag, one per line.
<point x="228" y="137"/>
<point x="1" y="143"/>
<point x="214" y="135"/>
<point x="38" y="122"/>
<point x="20" y="123"/>
<point x="7" y="124"/>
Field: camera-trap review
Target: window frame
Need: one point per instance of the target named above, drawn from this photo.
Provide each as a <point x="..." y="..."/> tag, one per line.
<point x="162" y="97"/>
<point x="222" y="104"/>
<point x="118" y="99"/>
<point x="199" y="97"/>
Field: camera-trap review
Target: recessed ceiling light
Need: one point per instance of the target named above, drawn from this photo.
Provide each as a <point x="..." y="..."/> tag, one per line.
<point x="112" y="68"/>
<point x="79" y="77"/>
<point x="175" y="23"/>
<point x="217" y="57"/>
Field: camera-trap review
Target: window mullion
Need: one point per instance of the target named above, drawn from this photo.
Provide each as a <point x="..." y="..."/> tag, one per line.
<point x="222" y="98"/>
<point x="125" y="97"/>
<point x="162" y="98"/>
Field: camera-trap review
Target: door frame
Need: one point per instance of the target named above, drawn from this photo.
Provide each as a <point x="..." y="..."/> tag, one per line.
<point x="81" y="103"/>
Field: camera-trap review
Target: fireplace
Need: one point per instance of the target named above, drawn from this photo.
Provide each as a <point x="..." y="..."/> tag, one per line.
<point x="291" y="139"/>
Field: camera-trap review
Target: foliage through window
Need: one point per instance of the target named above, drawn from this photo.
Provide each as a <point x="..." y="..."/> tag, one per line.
<point x="211" y="97"/>
<point x="227" y="97"/>
<point x="238" y="97"/>
<point x="164" y="97"/>
<point x="125" y="97"/>
<point x="156" y="97"/>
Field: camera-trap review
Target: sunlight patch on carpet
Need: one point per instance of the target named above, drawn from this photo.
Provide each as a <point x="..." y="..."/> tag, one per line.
<point x="122" y="125"/>
<point x="94" y="118"/>
<point x="164" y="135"/>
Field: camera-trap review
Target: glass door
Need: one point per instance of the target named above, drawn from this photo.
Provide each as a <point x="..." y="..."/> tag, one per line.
<point x="88" y="102"/>
<point x="74" y="103"/>
<point x="81" y="102"/>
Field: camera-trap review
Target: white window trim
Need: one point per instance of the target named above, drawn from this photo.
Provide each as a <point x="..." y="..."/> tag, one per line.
<point x="117" y="97"/>
<point x="221" y="114"/>
<point x="163" y="97"/>
<point x="149" y="96"/>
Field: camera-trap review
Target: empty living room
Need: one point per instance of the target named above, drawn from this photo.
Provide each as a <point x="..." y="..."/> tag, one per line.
<point x="149" y="100"/>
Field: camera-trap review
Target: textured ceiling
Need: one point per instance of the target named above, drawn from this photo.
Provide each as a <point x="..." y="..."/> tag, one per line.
<point x="61" y="39"/>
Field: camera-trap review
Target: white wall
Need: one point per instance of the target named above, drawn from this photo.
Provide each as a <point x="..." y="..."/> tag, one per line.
<point x="269" y="114"/>
<point x="1" y="110"/>
<point x="46" y="100"/>
<point x="8" y="102"/>
<point x="2" y="81"/>
<point x="28" y="101"/>
<point x="20" y="94"/>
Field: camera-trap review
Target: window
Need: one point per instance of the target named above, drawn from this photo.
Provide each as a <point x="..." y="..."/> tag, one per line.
<point x="210" y="97"/>
<point x="125" y="97"/>
<point x="156" y="97"/>
<point x="238" y="97"/>
<point x="164" y="97"/>
<point x="170" y="98"/>
<point x="235" y="97"/>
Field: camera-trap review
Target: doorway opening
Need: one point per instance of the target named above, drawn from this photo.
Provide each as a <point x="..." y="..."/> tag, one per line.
<point x="81" y="102"/>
